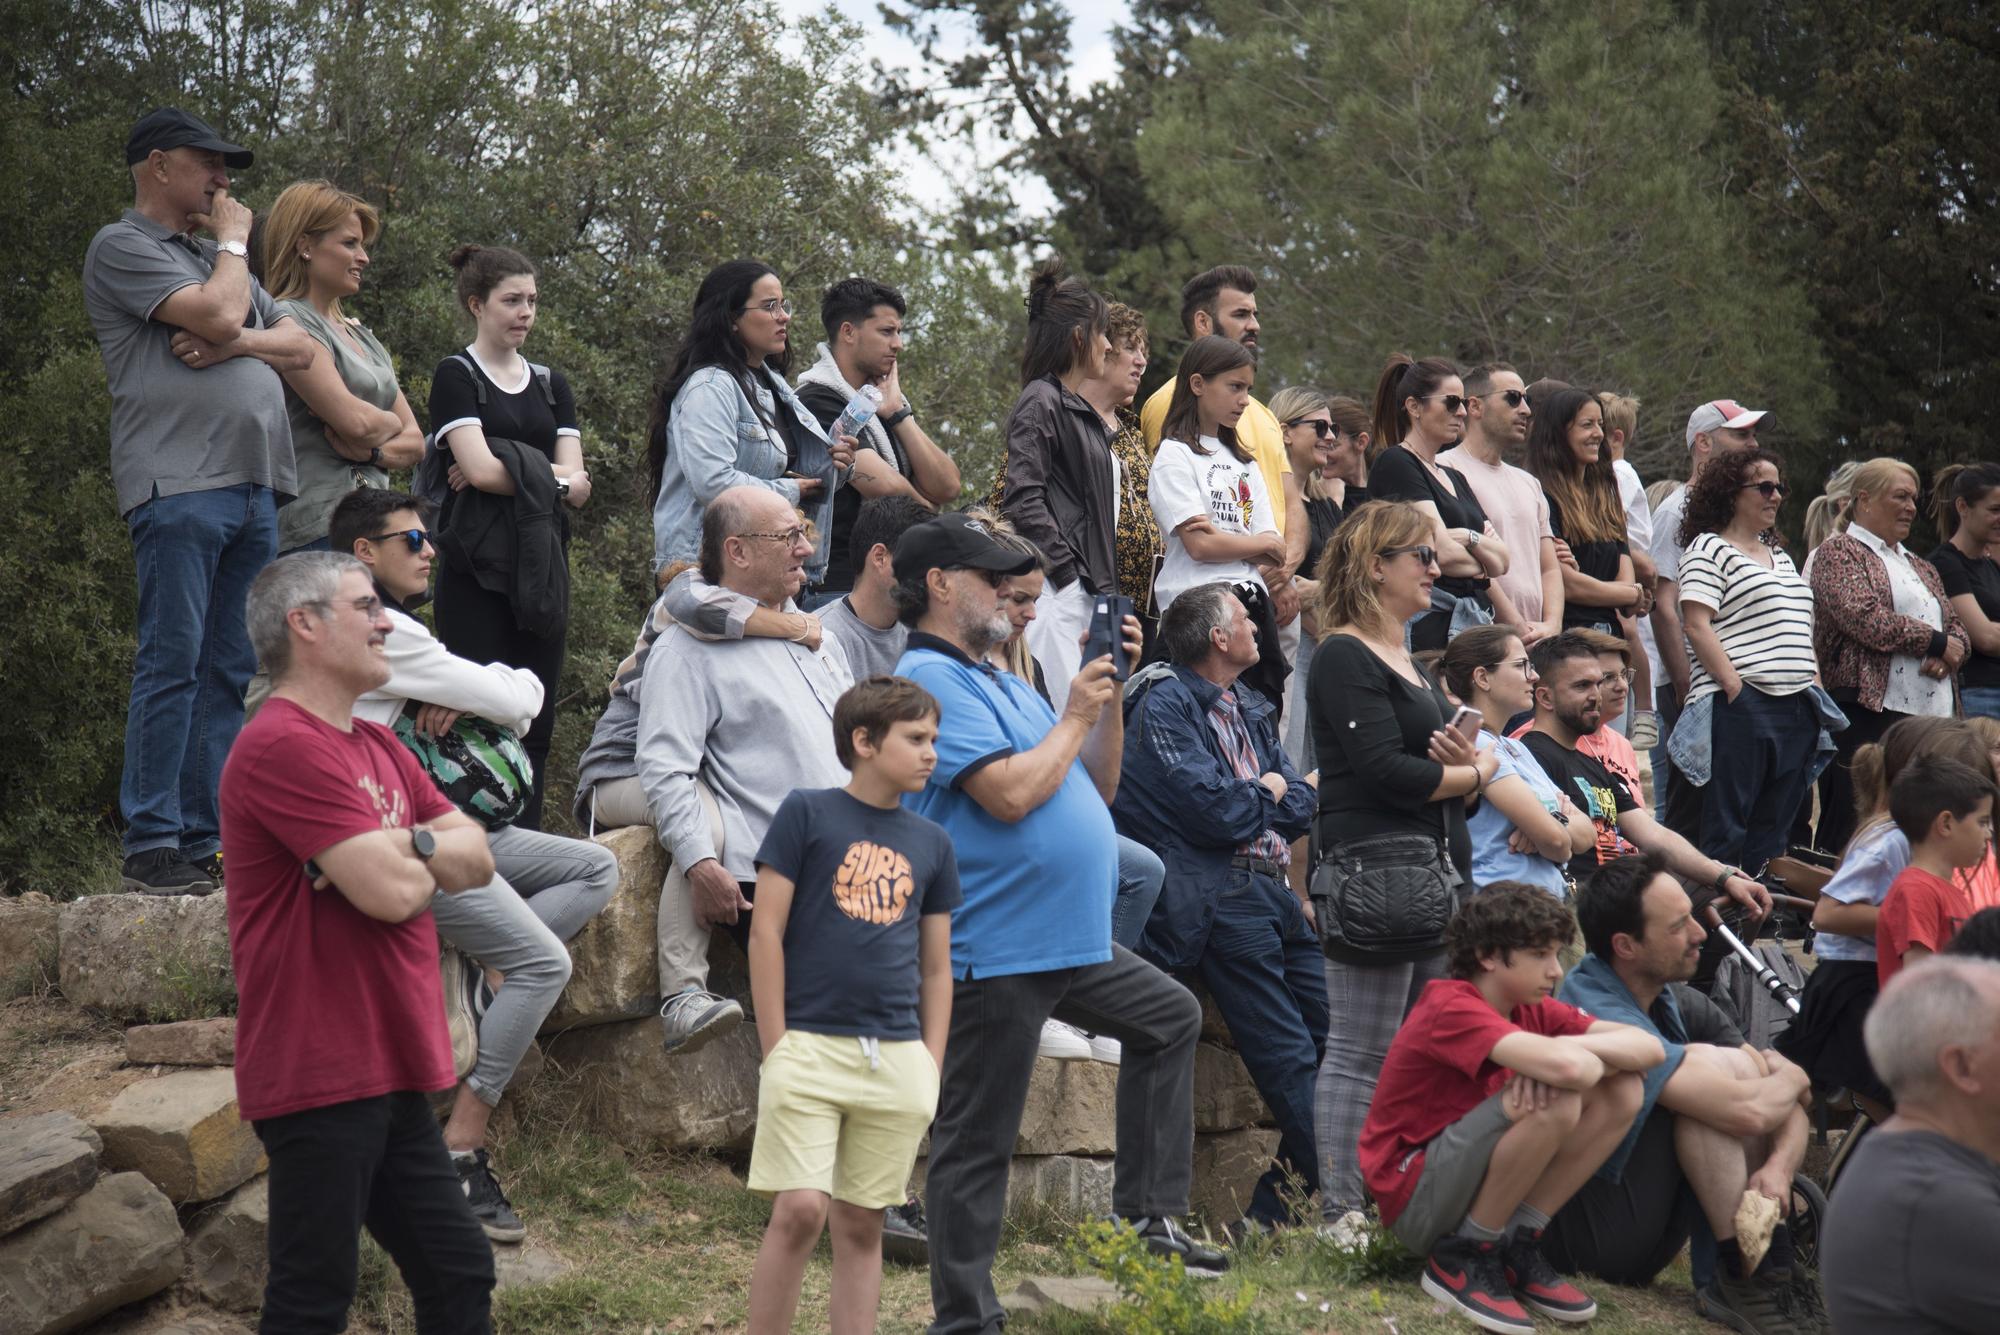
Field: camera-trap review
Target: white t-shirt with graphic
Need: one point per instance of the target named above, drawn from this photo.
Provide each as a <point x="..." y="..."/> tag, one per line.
<point x="1216" y="485"/>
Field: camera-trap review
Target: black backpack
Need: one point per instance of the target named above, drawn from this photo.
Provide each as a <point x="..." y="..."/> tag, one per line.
<point x="432" y="481"/>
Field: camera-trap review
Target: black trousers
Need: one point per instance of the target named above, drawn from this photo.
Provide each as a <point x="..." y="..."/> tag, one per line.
<point x="1628" y="1231"/>
<point x="1836" y="787"/>
<point x="379" y="1163"/>
<point x="478" y="624"/>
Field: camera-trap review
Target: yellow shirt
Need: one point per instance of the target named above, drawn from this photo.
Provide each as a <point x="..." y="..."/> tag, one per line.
<point x="1258" y="432"/>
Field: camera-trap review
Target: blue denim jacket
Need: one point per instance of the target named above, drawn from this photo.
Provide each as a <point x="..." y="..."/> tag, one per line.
<point x="1465" y="613"/>
<point x="1692" y="746"/>
<point x="715" y="441"/>
<point x="1178" y="795"/>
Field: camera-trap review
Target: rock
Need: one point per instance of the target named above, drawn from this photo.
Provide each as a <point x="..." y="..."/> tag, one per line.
<point x="146" y="957"/>
<point x="30" y="936"/>
<point x="1224" y="1096"/>
<point x="634" y="1094"/>
<point x="1071" y="1109"/>
<point x="1073" y="1293"/>
<point x="181" y="1130"/>
<point x="614" y="968"/>
<point x="227" y="1263"/>
<point x="524" y="1265"/>
<point x="115" y="1244"/>
<point x="46" y="1161"/>
<point x="1077" y="1187"/>
<point x="1213" y="1028"/>
<point x="184" y="1043"/>
<point x="1226" y="1168"/>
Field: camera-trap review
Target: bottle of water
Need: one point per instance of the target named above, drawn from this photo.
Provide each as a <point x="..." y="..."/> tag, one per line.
<point x="867" y="401"/>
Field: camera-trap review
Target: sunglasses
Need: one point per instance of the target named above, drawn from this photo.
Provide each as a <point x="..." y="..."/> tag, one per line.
<point x="1514" y="397"/>
<point x="1426" y="553"/>
<point x="1453" y="403"/>
<point x="1768" y="490"/>
<point x="1321" y="430"/>
<point x="416" y="537"/>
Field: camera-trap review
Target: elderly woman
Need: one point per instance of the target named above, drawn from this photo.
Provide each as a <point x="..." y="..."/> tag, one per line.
<point x="1887" y="638"/>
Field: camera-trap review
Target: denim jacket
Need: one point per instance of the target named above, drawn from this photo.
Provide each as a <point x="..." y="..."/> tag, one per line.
<point x="1178" y="795"/>
<point x="1692" y="746"/>
<point x="716" y="441"/>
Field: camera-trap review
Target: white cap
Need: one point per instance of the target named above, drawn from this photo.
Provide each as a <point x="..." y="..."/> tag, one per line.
<point x="1721" y="413"/>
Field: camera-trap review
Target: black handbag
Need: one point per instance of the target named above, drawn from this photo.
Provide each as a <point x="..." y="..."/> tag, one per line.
<point x="1387" y="894"/>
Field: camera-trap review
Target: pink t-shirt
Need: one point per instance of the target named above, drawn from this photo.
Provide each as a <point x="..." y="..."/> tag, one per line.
<point x="1514" y="502"/>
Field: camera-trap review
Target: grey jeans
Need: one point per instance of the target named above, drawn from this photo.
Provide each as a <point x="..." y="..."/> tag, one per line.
<point x="546" y="889"/>
<point x="1367" y="1003"/>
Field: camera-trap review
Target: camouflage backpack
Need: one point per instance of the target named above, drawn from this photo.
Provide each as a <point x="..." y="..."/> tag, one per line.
<point x="479" y="765"/>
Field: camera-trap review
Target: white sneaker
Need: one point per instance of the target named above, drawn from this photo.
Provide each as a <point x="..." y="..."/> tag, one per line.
<point x="1064" y="1042"/>
<point x="693" y="1018"/>
<point x="460" y="1022"/>
<point x="1349" y="1232"/>
<point x="1104" y="1049"/>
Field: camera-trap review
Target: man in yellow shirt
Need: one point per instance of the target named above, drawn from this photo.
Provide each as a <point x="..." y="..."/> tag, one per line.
<point x="1223" y="301"/>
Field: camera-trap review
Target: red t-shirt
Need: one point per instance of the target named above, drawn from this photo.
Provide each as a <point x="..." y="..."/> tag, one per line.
<point x="1439" y="1068"/>
<point x="1922" y="911"/>
<point x="334" y="1005"/>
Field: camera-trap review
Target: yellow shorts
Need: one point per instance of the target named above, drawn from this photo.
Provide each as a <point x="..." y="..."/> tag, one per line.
<point x="830" y="1119"/>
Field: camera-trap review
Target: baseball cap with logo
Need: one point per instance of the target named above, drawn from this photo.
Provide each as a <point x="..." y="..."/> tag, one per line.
<point x="1722" y="413"/>
<point x="170" y="128"/>
<point x="957" y="542"/>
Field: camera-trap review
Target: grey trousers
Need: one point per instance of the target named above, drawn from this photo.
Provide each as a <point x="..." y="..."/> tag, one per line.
<point x="546" y="889"/>
<point x="1367" y="1003"/>
<point x="683" y="941"/>
<point x="995" y="1026"/>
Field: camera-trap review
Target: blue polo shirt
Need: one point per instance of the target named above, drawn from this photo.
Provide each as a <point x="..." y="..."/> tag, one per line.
<point x="1037" y="892"/>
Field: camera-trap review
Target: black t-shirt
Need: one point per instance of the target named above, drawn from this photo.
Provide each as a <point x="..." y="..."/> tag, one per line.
<point x="825" y="404"/>
<point x="1910" y="1249"/>
<point x="1599" y="793"/>
<point x="862" y="877"/>
<point x="527" y="416"/>
<point x="1599" y="560"/>
<point x="1980" y="577"/>
<point x="1323" y="516"/>
<point x="1399" y="475"/>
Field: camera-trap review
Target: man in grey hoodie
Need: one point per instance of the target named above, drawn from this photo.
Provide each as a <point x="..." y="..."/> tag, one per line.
<point x="864" y="338"/>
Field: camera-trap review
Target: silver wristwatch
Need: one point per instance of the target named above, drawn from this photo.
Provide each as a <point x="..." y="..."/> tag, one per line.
<point x="236" y="248"/>
<point x="1471" y="539"/>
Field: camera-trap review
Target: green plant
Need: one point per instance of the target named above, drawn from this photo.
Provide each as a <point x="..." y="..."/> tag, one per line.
<point x="202" y="988"/>
<point x="1157" y="1295"/>
<point x="1378" y="1257"/>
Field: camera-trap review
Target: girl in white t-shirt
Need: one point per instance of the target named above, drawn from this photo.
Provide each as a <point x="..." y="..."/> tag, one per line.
<point x="1205" y="488"/>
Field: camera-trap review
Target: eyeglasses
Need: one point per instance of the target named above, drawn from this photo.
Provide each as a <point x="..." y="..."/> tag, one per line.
<point x="791" y="537"/>
<point x="1520" y="663"/>
<point x="1515" y="397"/>
<point x="1425" y="554"/>
<point x="370" y="606"/>
<point x="1626" y="676"/>
<point x="1321" y="429"/>
<point x="1453" y="403"/>
<point x="416" y="537"/>
<point x="1768" y="490"/>
<point x="775" y="306"/>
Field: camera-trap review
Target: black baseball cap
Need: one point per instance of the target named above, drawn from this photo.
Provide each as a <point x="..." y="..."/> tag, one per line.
<point x="170" y="127"/>
<point x="957" y="542"/>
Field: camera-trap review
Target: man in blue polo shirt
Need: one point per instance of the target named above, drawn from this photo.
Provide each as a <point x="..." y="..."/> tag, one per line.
<point x="1023" y="794"/>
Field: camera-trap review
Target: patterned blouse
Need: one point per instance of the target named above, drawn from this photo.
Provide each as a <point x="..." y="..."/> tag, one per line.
<point x="1138" y="538"/>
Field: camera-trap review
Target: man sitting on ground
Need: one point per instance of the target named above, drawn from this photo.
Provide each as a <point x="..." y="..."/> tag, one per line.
<point x="1910" y="1247"/>
<point x="1496" y="1102"/>
<point x="1718" y="1118"/>
<point x="750" y="719"/>
<point x="509" y="934"/>
<point x="1207" y="785"/>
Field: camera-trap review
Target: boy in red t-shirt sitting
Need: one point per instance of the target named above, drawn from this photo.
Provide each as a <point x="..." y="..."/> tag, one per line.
<point x="1945" y="809"/>
<point x="1496" y="1103"/>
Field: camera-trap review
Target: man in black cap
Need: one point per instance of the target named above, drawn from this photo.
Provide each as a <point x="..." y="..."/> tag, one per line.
<point x="1023" y="794"/>
<point x="201" y="456"/>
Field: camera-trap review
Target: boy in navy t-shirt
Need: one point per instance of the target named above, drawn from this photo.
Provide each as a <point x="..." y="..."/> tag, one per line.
<point x="850" y="976"/>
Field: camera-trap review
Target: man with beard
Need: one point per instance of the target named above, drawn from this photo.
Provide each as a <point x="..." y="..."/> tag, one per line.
<point x="1022" y="792"/>
<point x="1568" y="707"/>
<point x="1530" y="594"/>
<point x="894" y="456"/>
<point x="1719" y="1118"/>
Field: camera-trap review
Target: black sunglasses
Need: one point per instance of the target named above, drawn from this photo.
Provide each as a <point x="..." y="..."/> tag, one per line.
<point x="1321" y="429"/>
<point x="1452" y="402"/>
<point x="1515" y="397"/>
<point x="1426" y="553"/>
<point x="416" y="537"/>
<point x="1768" y="490"/>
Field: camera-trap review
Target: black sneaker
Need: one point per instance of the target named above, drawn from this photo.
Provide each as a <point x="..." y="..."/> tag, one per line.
<point x="212" y="865"/>
<point x="1164" y="1237"/>
<point x="1756" y="1306"/>
<point x="1804" y="1304"/>
<point x="1536" y="1283"/>
<point x="1468" y="1276"/>
<point x="163" y="871"/>
<point x="906" y="1234"/>
<point x="489" y="1204"/>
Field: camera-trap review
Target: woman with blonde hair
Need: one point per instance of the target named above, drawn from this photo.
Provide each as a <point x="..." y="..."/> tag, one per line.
<point x="1389" y="765"/>
<point x="350" y="421"/>
<point x="1886" y="637"/>
<point x="1826" y="515"/>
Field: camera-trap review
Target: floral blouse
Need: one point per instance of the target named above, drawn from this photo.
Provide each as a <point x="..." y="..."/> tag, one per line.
<point x="1138" y="538"/>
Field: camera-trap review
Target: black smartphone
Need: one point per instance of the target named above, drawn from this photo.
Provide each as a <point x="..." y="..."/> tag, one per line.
<point x="1107" y="633"/>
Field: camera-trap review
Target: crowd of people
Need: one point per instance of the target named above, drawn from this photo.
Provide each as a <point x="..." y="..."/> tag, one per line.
<point x="1415" y="730"/>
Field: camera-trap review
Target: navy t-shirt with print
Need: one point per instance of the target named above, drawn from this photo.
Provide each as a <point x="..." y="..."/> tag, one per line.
<point x="862" y="877"/>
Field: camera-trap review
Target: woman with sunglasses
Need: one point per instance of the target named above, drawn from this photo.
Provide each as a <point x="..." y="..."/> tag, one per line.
<point x="1326" y="439"/>
<point x="1749" y="622"/>
<point x="724" y="417"/>
<point x="1388" y="765"/>
<point x="1420" y="412"/>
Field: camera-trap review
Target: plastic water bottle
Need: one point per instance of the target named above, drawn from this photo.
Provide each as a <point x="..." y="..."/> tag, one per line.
<point x="867" y="401"/>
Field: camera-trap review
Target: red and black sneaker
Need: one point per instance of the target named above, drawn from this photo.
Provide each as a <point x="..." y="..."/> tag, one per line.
<point x="1468" y="1275"/>
<point x="1536" y="1283"/>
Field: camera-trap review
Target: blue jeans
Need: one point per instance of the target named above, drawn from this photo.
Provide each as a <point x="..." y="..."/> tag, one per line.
<point x="1981" y="701"/>
<point x="1763" y="747"/>
<point x="196" y="554"/>
<point x="1263" y="966"/>
<point x="1140" y="872"/>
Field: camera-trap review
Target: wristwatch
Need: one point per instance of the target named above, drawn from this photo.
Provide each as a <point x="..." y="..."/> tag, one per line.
<point x="1471" y="539"/>
<point x="897" y="418"/>
<point x="375" y="456"/>
<point x="422" y="842"/>
<point x="236" y="248"/>
<point x="1720" y="883"/>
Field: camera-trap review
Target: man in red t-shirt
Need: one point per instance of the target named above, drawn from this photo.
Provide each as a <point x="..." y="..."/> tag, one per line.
<point x="1496" y="1103"/>
<point x="1945" y="809"/>
<point x="335" y="841"/>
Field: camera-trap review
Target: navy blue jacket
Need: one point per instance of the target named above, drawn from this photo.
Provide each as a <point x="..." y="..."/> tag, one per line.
<point x="1178" y="795"/>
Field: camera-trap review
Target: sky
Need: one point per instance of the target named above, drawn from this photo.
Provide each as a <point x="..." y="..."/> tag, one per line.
<point x="935" y="183"/>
